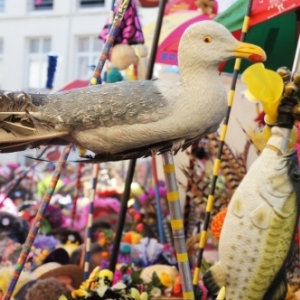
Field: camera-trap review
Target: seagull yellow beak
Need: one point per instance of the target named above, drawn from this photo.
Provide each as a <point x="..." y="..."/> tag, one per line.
<point x="250" y="51"/>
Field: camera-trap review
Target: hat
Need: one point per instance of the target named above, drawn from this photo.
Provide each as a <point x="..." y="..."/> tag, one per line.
<point x="58" y="255"/>
<point x="53" y="269"/>
<point x="66" y="236"/>
<point x="13" y="227"/>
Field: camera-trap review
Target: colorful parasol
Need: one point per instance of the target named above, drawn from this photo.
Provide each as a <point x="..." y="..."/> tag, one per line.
<point x="273" y="26"/>
<point x="172" y="29"/>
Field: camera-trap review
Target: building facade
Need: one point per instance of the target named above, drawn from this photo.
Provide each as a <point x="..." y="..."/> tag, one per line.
<point x="30" y="30"/>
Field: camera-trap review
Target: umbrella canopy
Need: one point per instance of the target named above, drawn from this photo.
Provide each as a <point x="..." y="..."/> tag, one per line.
<point x="273" y="26"/>
<point x="180" y="5"/>
<point x="172" y="29"/>
<point x="75" y="85"/>
<point x="174" y="6"/>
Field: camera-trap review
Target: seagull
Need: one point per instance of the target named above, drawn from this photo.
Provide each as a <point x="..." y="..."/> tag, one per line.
<point x="132" y="119"/>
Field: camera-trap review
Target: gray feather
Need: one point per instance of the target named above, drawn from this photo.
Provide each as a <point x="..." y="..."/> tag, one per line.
<point x="96" y="106"/>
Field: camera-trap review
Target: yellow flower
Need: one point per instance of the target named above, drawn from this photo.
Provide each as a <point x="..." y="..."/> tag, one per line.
<point x="165" y="279"/>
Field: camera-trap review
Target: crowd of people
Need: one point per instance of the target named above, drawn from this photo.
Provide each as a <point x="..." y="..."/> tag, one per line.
<point x="55" y="263"/>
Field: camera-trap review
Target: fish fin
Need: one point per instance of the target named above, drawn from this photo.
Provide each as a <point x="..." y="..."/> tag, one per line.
<point x="214" y="279"/>
<point x="261" y="216"/>
<point x="278" y="288"/>
<point x="237" y="206"/>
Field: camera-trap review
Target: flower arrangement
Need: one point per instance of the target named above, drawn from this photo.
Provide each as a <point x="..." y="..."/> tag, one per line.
<point x="164" y="285"/>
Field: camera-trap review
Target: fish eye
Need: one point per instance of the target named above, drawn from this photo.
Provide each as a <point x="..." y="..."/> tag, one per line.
<point x="207" y="39"/>
<point x="296" y="174"/>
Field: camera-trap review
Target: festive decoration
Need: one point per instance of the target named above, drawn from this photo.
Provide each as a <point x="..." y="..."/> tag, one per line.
<point x="272" y="215"/>
<point x="130" y="27"/>
<point x="52" y="64"/>
<point x="276" y="18"/>
<point x="217" y="223"/>
<point x="99" y="286"/>
<point x="274" y="211"/>
<point x="176" y="6"/>
<point x="208" y="7"/>
<point x="286" y="85"/>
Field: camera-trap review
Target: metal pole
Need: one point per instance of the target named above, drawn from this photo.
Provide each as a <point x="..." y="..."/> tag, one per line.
<point x="177" y="226"/>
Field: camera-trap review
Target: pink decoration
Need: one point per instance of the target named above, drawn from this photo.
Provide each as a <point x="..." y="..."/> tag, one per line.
<point x="130" y="29"/>
<point x="102" y="207"/>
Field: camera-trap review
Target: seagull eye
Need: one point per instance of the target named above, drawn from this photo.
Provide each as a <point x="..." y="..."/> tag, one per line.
<point x="207" y="39"/>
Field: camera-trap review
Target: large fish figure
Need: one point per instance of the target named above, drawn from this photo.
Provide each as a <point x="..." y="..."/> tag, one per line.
<point x="257" y="235"/>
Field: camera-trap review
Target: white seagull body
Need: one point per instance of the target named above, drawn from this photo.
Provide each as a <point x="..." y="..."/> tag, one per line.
<point x="136" y="118"/>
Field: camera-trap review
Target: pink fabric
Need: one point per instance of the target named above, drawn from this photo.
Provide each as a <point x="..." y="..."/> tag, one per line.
<point x="8" y="205"/>
<point x="130" y="31"/>
<point x="111" y="205"/>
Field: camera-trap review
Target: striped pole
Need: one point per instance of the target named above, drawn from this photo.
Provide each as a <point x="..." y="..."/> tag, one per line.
<point x="110" y="21"/>
<point x="177" y="226"/>
<point x="113" y="32"/>
<point x="217" y="163"/>
<point x="76" y="192"/>
<point x="88" y="242"/>
<point x="158" y="203"/>
<point x="37" y="223"/>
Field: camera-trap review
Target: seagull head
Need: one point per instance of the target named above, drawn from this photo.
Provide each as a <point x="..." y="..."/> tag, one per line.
<point x="206" y="44"/>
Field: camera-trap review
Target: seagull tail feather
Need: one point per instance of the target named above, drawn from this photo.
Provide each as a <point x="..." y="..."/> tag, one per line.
<point x="20" y="127"/>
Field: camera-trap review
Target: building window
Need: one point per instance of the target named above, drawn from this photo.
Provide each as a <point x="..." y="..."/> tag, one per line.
<point x="38" y="49"/>
<point x="2" y="5"/>
<point x="37" y="5"/>
<point x="91" y="3"/>
<point x="88" y="53"/>
<point x="1" y="62"/>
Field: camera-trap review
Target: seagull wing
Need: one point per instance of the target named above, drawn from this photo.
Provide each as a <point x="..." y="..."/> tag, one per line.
<point x="123" y="103"/>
